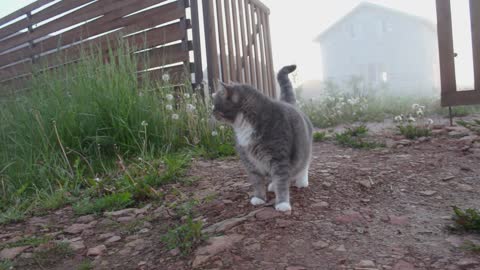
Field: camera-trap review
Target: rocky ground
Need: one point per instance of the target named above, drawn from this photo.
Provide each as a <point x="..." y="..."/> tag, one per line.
<point x="387" y="208"/>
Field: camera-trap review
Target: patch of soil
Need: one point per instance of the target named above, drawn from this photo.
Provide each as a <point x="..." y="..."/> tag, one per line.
<point x="387" y="208"/>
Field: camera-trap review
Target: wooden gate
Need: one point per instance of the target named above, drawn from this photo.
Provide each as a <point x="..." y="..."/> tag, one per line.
<point x="238" y="43"/>
<point x="450" y="95"/>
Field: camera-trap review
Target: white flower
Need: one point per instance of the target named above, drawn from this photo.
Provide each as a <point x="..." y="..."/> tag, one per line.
<point x="169" y="107"/>
<point x="415" y="106"/>
<point x="169" y="97"/>
<point x="186" y="95"/>
<point x="429" y="121"/>
<point x="175" y="116"/>
<point x="166" y="77"/>
<point x="190" y="108"/>
<point x="222" y="127"/>
<point x="140" y="159"/>
<point x="411" y="119"/>
<point x="214" y="133"/>
<point x="98" y="180"/>
<point x="398" y="118"/>
<point x="420" y="112"/>
<point x="144" y="123"/>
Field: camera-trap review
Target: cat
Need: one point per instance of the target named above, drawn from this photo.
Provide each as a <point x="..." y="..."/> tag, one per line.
<point x="273" y="137"/>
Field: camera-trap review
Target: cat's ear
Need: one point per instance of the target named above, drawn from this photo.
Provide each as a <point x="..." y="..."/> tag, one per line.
<point x="230" y="92"/>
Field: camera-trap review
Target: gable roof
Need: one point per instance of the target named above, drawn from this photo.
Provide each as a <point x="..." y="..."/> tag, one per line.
<point x="367" y="5"/>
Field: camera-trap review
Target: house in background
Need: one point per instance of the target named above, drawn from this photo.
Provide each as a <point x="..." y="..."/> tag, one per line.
<point x="383" y="46"/>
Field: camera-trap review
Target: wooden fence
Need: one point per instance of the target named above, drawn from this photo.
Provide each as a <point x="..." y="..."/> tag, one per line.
<point x="450" y="95"/>
<point x="238" y="43"/>
<point x="37" y="34"/>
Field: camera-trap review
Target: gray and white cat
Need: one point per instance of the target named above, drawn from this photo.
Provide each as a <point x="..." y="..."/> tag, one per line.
<point x="273" y="138"/>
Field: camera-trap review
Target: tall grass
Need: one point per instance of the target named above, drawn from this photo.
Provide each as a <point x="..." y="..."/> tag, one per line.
<point x="79" y="121"/>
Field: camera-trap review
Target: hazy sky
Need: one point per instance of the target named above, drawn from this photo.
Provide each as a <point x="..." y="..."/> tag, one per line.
<point x="296" y="23"/>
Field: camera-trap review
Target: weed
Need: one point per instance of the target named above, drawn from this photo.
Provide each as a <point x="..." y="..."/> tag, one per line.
<point x="12" y="215"/>
<point x="471" y="125"/>
<point x="85" y="265"/>
<point x="184" y="237"/>
<point x="27" y="241"/>
<point x="319" y="136"/>
<point x="355" y="138"/>
<point x="6" y="265"/>
<point x="52" y="253"/>
<point x="468" y="220"/>
<point x="110" y="202"/>
<point x="412" y="132"/>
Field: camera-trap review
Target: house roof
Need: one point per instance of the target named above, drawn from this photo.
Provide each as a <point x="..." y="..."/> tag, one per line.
<point x="367" y="5"/>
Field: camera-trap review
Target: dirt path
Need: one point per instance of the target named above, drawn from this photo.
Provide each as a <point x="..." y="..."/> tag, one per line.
<point x="365" y="209"/>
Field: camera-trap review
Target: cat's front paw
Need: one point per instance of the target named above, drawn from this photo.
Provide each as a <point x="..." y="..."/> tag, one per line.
<point x="283" y="207"/>
<point x="257" y="201"/>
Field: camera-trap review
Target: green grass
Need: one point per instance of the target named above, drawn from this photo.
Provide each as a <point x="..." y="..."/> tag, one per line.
<point x="185" y="237"/>
<point x="85" y="265"/>
<point x="110" y="202"/>
<point x="468" y="220"/>
<point x="471" y="125"/>
<point x="356" y="138"/>
<point x="52" y="253"/>
<point x="26" y="241"/>
<point x="94" y="120"/>
<point x="319" y="136"/>
<point x="5" y="265"/>
<point x="412" y="132"/>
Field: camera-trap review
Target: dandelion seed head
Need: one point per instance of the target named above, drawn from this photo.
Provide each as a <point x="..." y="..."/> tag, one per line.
<point x="175" y="116"/>
<point x="190" y="108"/>
<point x="214" y="133"/>
<point x="169" y="107"/>
<point x="166" y="77"/>
<point x="98" y="180"/>
<point x="169" y="97"/>
<point x="144" y="123"/>
<point x="222" y="127"/>
<point x="186" y="95"/>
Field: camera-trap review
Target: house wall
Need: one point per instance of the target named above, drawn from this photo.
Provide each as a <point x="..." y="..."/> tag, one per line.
<point x="372" y="41"/>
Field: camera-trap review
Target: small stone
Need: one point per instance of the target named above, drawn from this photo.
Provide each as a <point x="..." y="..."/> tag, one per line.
<point x="224" y="225"/>
<point x="467" y="263"/>
<point x="142" y="263"/>
<point x="77" y="245"/>
<point x="457" y="134"/>
<point x="448" y="178"/>
<point x="365" y="184"/>
<point x="320" y="205"/>
<point x="138" y="244"/>
<point x="125" y="219"/>
<point x="214" y="247"/>
<point x="174" y="252"/>
<point x="76" y="228"/>
<point x="465" y="187"/>
<point x="349" y="217"/>
<point x="320" y="244"/>
<point x="428" y="192"/>
<point x="267" y="213"/>
<point x="144" y="230"/>
<point x="341" y="248"/>
<point x="96" y="251"/>
<point x="86" y="219"/>
<point x="119" y="213"/>
<point x="403" y="265"/>
<point x="398" y="220"/>
<point x="326" y="184"/>
<point x="366" y="264"/>
<point x="104" y="236"/>
<point x="113" y="239"/>
<point x="295" y="268"/>
<point x="11" y="253"/>
<point x="26" y="255"/>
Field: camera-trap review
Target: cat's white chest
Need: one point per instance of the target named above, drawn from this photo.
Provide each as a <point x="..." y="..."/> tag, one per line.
<point x="243" y="130"/>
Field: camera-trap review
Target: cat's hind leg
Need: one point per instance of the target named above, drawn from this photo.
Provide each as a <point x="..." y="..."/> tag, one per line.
<point x="259" y="188"/>
<point x="281" y="184"/>
<point x="301" y="180"/>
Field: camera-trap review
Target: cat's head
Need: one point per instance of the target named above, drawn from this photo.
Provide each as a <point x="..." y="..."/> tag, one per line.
<point x="229" y="101"/>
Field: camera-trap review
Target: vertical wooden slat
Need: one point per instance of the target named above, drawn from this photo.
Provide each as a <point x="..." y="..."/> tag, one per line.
<point x="258" y="73"/>
<point x="246" y="70"/>
<point x="221" y="41"/>
<point x="267" y="59"/>
<point x="210" y="44"/>
<point x="445" y="46"/>
<point x="253" y="78"/>
<point x="231" y="54"/>
<point x="270" y="56"/>
<point x="238" y="57"/>
<point x="197" y="47"/>
<point x="263" y="64"/>
<point x="475" y="18"/>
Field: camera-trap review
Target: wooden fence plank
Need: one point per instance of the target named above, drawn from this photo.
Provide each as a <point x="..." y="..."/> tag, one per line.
<point x="231" y="53"/>
<point x="445" y="46"/>
<point x="221" y="41"/>
<point x="12" y="16"/>
<point x="245" y="70"/>
<point x="258" y="80"/>
<point x="49" y="12"/>
<point x="270" y="56"/>
<point x="475" y="18"/>
<point x="263" y="61"/>
<point x="162" y="56"/>
<point x="238" y="48"/>
<point x="210" y="44"/>
<point x="253" y="77"/>
<point x="197" y="47"/>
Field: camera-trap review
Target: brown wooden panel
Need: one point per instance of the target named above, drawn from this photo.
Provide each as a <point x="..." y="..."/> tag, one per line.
<point x="42" y="15"/>
<point x="197" y="43"/>
<point x="210" y="44"/>
<point x="460" y="98"/>
<point x="110" y="21"/>
<point x="163" y="56"/>
<point x="12" y="16"/>
<point x="260" y="5"/>
<point x="148" y="39"/>
<point x="258" y="80"/>
<point x="231" y="54"/>
<point x="475" y="18"/>
<point x="265" y="87"/>
<point x="445" y="46"/>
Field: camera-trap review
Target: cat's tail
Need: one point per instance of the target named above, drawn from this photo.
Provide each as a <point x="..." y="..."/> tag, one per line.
<point x="286" y="89"/>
